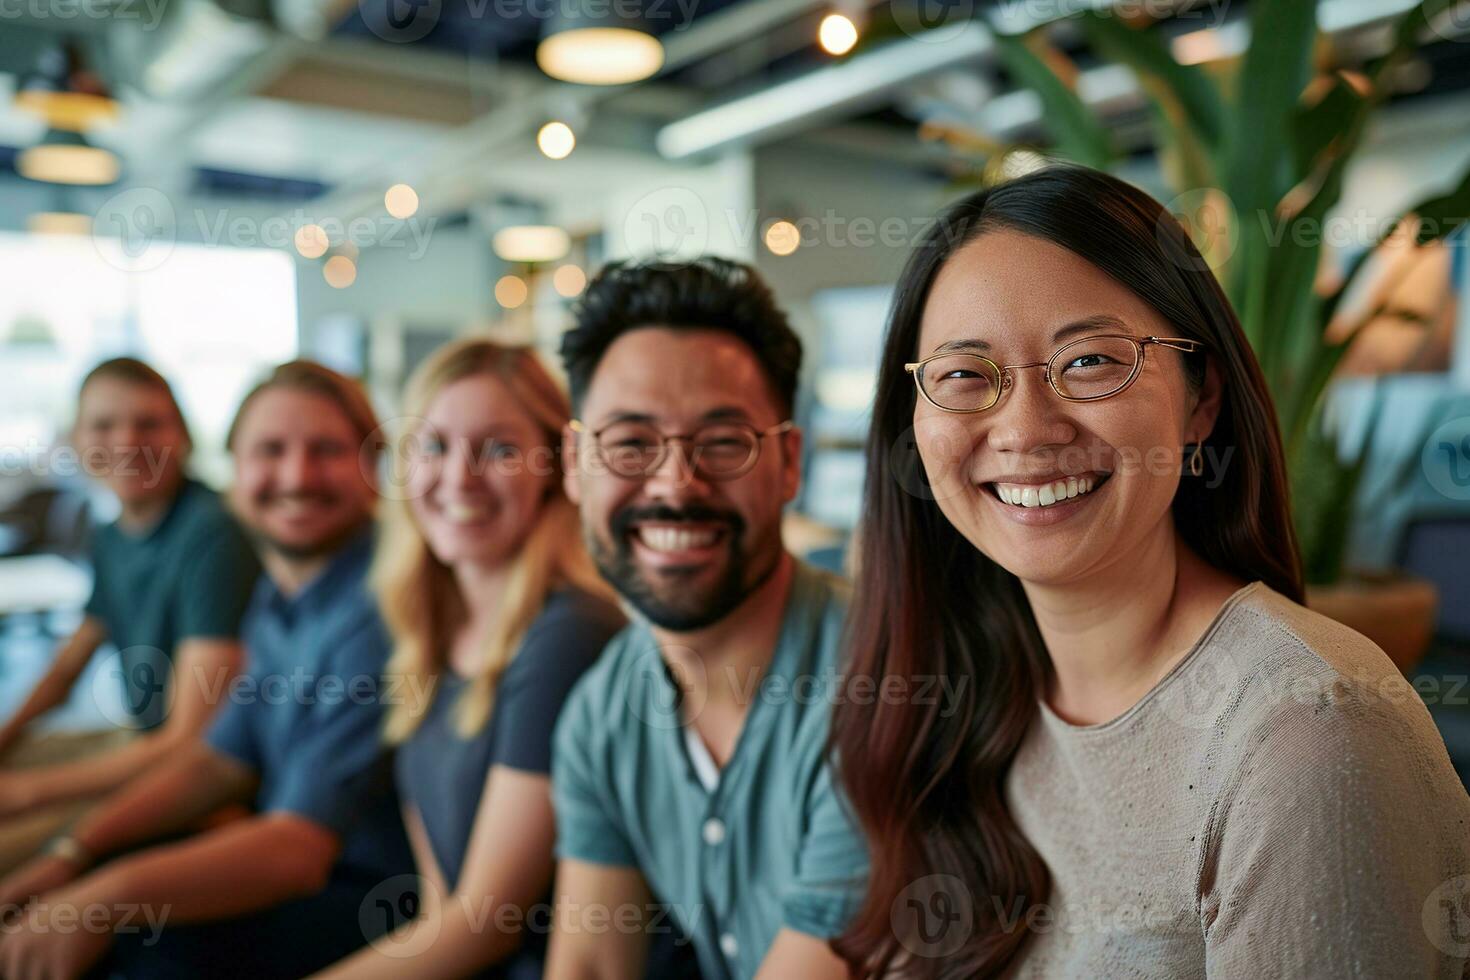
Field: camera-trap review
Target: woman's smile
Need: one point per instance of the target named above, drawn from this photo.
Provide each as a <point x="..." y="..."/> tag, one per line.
<point x="1048" y="501"/>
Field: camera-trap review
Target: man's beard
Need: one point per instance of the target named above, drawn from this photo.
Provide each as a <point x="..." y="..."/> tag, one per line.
<point x="677" y="605"/>
<point x="328" y="544"/>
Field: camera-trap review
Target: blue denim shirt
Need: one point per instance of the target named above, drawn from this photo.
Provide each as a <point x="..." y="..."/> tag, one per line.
<point x="307" y="714"/>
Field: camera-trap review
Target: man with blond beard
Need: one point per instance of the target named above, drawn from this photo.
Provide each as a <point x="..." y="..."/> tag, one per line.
<point x="277" y="893"/>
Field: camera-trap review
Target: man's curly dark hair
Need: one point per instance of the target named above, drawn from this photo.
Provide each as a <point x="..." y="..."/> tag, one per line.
<point x="708" y="293"/>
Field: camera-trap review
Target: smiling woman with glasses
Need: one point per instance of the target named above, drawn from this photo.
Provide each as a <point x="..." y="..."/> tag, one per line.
<point x="1160" y="763"/>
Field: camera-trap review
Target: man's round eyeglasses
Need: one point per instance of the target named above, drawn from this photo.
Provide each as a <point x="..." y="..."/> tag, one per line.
<point x="716" y="451"/>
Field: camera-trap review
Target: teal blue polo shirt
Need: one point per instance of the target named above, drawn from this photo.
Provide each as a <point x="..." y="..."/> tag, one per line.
<point x="188" y="576"/>
<point x="766" y="842"/>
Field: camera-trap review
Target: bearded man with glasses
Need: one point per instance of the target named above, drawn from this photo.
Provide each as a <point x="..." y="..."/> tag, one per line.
<point x="690" y="763"/>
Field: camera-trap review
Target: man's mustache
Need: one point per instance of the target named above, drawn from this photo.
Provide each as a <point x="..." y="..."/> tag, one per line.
<point x="623" y="520"/>
<point x="311" y="496"/>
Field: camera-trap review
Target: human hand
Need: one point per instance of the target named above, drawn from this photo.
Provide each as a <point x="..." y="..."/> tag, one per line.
<point x="17" y="792"/>
<point x="31" y="880"/>
<point x="54" y="940"/>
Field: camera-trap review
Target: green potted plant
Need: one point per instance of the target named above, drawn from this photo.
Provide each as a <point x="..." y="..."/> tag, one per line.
<point x="1255" y="150"/>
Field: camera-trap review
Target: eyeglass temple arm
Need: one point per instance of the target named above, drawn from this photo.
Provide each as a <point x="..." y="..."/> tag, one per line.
<point x="1176" y="343"/>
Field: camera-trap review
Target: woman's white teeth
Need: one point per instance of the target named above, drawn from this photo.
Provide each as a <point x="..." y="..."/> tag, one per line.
<point x="676" y="539"/>
<point x="464" y="513"/>
<point x="1045" y="494"/>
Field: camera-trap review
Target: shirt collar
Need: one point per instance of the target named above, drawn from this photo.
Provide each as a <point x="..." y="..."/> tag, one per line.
<point x="796" y="616"/>
<point x="187" y="488"/>
<point x="346" y="570"/>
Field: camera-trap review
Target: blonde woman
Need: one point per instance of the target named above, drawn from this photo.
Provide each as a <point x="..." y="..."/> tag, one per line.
<point x="495" y="610"/>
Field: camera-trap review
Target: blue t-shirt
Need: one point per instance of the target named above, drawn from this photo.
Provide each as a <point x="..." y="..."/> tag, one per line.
<point x="307" y="713"/>
<point x="188" y="576"/>
<point x="442" y="773"/>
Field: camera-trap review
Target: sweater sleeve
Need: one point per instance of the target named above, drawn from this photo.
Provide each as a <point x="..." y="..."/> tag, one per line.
<point x="1341" y="849"/>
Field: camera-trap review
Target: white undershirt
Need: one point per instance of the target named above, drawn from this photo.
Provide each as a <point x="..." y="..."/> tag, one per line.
<point x="704" y="763"/>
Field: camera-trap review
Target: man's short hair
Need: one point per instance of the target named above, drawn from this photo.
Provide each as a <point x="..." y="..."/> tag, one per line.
<point x="318" y="379"/>
<point x="706" y="294"/>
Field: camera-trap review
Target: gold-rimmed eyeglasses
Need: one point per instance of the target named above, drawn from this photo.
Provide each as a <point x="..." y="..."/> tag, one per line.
<point x="1081" y="371"/>
<point x="636" y="449"/>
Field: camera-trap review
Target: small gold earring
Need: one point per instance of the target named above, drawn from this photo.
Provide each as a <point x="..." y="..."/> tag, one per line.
<point x="1197" y="460"/>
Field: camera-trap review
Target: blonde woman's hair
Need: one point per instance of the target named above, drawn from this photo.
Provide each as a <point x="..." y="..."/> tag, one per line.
<point x="418" y="595"/>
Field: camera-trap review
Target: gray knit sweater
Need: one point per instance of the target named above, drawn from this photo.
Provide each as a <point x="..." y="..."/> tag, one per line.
<point x="1280" y="805"/>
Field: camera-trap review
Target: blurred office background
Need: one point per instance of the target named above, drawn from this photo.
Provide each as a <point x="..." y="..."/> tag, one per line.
<point x="219" y="185"/>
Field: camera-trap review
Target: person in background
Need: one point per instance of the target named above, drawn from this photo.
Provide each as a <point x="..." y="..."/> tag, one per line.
<point x="278" y="893"/>
<point x="1163" y="764"/>
<point x="172" y="577"/>
<point x="690" y="762"/>
<point x="494" y="606"/>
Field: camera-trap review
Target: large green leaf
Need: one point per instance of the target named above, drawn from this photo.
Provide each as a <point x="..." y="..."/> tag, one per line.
<point x="1146" y="52"/>
<point x="1327" y="134"/>
<point x="1272" y="76"/>
<point x="1320" y="128"/>
<point x="1180" y="145"/>
<point x="1077" y="131"/>
<point x="1257" y="157"/>
<point x="1323" y="488"/>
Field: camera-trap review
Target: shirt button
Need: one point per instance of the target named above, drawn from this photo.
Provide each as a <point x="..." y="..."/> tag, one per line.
<point x="714" y="831"/>
<point x="728" y="945"/>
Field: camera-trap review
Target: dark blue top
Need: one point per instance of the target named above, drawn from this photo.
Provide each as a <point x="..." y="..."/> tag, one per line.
<point x="308" y="712"/>
<point x="188" y="576"/>
<point x="442" y="773"/>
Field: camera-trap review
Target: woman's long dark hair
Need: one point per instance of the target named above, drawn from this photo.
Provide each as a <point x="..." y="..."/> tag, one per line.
<point x="928" y="789"/>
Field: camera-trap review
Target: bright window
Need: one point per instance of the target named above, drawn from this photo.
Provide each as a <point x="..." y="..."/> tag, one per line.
<point x="211" y="319"/>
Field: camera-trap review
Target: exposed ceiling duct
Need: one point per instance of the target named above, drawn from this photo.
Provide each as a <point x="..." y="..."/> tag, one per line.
<point x="194" y="50"/>
<point x="834" y="91"/>
<point x="455" y="164"/>
<point x="854" y="85"/>
<point x="198" y="48"/>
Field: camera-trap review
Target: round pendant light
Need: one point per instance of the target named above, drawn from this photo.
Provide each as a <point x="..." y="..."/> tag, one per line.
<point x="65" y="157"/>
<point x="599" y="44"/>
